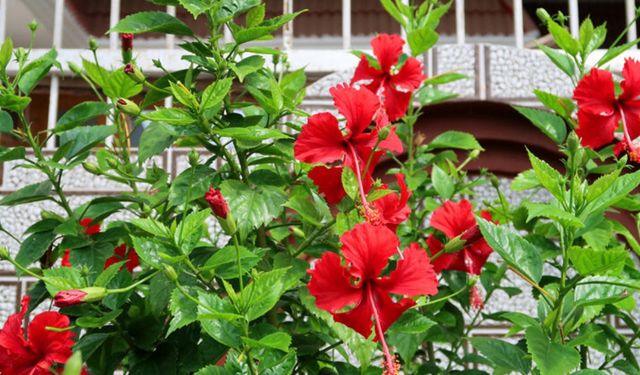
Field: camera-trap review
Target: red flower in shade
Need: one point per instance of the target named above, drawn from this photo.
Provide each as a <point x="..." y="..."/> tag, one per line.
<point x="367" y="249"/>
<point x="68" y="298"/>
<point x="217" y="203"/>
<point x="396" y="87"/>
<point x="42" y="348"/>
<point x="127" y="41"/>
<point x="122" y="253"/>
<point x="600" y="111"/>
<point x="89" y="228"/>
<point x="66" y="258"/>
<point x="393" y="208"/>
<point x="455" y="219"/>
<point x="322" y="141"/>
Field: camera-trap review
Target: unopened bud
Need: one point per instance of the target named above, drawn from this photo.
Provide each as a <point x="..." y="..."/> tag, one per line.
<point x="170" y="273"/>
<point x="75" y="68"/>
<point x="127" y="47"/>
<point x="33" y="26"/>
<point x="113" y="163"/>
<point x="93" y="44"/>
<point x="543" y="15"/>
<point x="384" y="133"/>
<point x="134" y="72"/>
<point x="128" y="107"/>
<point x="157" y="63"/>
<point x="74" y="297"/>
<point x="454" y="245"/>
<point x="194" y="158"/>
<point x="474" y="154"/>
<point x="573" y="142"/>
<point x="4" y="253"/>
<point x="91" y="168"/>
<point x="494" y="181"/>
<point x="221" y="210"/>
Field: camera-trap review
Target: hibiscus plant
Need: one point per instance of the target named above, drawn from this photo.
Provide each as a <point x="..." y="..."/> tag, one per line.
<point x="287" y="244"/>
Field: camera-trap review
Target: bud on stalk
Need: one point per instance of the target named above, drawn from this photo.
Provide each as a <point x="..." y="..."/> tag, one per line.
<point x="91" y="168"/>
<point x="67" y="298"/>
<point x="170" y="273"/>
<point x="4" y="253"/>
<point x="128" y="107"/>
<point x="127" y="47"/>
<point x="135" y="73"/>
<point x="221" y="210"/>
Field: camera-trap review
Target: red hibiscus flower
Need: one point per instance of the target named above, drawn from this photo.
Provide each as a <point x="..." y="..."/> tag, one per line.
<point x="600" y="111"/>
<point x="89" y="228"/>
<point x="456" y="219"/>
<point x="66" y="258"/>
<point x="217" y="203"/>
<point x="42" y="348"/>
<point x="122" y="253"/>
<point x="367" y="249"/>
<point x="393" y="208"/>
<point x="68" y="298"/>
<point x="322" y="141"/>
<point x="394" y="85"/>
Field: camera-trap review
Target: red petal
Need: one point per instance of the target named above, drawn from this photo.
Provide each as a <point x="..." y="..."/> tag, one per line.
<point x="389" y="311"/>
<point x="111" y="261"/>
<point x="596" y="131"/>
<point x="357" y="106"/>
<point x="365" y="72"/>
<point x="476" y="256"/>
<point x="395" y="102"/>
<point x="320" y="140"/>
<point x="53" y="346"/>
<point x="331" y="285"/>
<point x="368" y="248"/>
<point x="631" y="83"/>
<point x="392" y="143"/>
<point x="387" y="49"/>
<point x="595" y="93"/>
<point x="329" y="183"/>
<point x="452" y="218"/>
<point x="393" y="208"/>
<point x="358" y="319"/>
<point x="410" y="76"/>
<point x="12" y="334"/>
<point x="134" y="260"/>
<point x="413" y="276"/>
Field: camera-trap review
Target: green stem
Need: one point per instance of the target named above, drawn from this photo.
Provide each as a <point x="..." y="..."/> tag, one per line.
<point x="317" y="233"/>
<point x="134" y="285"/>
<point x="239" y="263"/>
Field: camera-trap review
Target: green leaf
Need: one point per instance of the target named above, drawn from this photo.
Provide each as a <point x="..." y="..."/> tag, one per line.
<point x="588" y="261"/>
<point x="231" y="8"/>
<point x="444" y="78"/>
<point x="551" y="125"/>
<point x="601" y="290"/>
<point x="412" y="322"/>
<point x="429" y="95"/>
<point x="350" y="183"/>
<point x="559" y="59"/>
<point x="173" y="116"/>
<point x="307" y="209"/>
<point x="152" y="227"/>
<point x="619" y="189"/>
<point x="8" y="154"/>
<point x="80" y="114"/>
<point x="88" y="321"/>
<point x="251" y="133"/>
<point x="550" y="357"/>
<point x="197" y="7"/>
<point x="277" y="340"/>
<point x="190" y="185"/>
<point x="6" y="122"/>
<point x="28" y="194"/>
<point x="513" y="248"/>
<point x="262" y="294"/>
<point x="265" y="28"/>
<point x="14" y="103"/>
<point x="454" y="139"/>
<point x="248" y="65"/>
<point x="155" y="138"/>
<point x="145" y="22"/>
<point x="442" y="182"/>
<point x="215" y="93"/>
<point x="552" y="212"/>
<point x="548" y="177"/>
<point x="36" y="70"/>
<point x="213" y="370"/>
<point x="525" y="180"/>
<point x="393" y="11"/>
<point x="255" y="16"/>
<point x="224" y="262"/>
<point x="216" y="315"/>
<point x="191" y="230"/>
<point x="563" y="38"/>
<point x="83" y="138"/>
<point x="34" y="247"/>
<point x="252" y="207"/>
<point x="421" y="40"/>
<point x="184" y="311"/>
<point x="5" y="54"/>
<point x="613" y="52"/>
<point x="562" y="106"/>
<point x="504" y="357"/>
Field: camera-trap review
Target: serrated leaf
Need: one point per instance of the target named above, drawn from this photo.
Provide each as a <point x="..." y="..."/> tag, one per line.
<point x="184" y="311"/>
<point x="215" y="93"/>
<point x="548" y="177"/>
<point x="442" y="182"/>
<point x="588" y="261"/>
<point x="263" y="293"/>
<point x="456" y="140"/>
<point x="552" y="212"/>
<point x="155" y="138"/>
<point x="504" y="356"/>
<point x="551" y="125"/>
<point x="551" y="358"/>
<point x="28" y="194"/>
<point x="145" y="22"/>
<point x="6" y="122"/>
<point x="277" y="340"/>
<point x="559" y="59"/>
<point x="80" y="114"/>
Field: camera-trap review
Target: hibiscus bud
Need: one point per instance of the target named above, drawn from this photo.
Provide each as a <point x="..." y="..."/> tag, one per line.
<point x="4" y="253"/>
<point x="194" y="158"/>
<point x="128" y="107"/>
<point x="157" y="63"/>
<point x="454" y="245"/>
<point x="113" y="162"/>
<point x="91" y="168"/>
<point x="170" y="273"/>
<point x="74" y="297"/>
<point x="474" y="154"/>
<point x="127" y="46"/>
<point x="75" y="68"/>
<point x="494" y="181"/>
<point x="384" y="133"/>
<point x="134" y="72"/>
<point x="472" y="235"/>
<point x="33" y="26"/>
<point x="221" y="210"/>
<point x="93" y="44"/>
<point x="543" y="15"/>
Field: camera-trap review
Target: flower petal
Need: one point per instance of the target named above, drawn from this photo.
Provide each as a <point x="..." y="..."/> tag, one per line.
<point x="392" y="143"/>
<point x="413" y="276"/>
<point x="365" y="72"/>
<point x="395" y="102"/>
<point x="475" y="256"/>
<point x="410" y="76"/>
<point x="12" y="334"/>
<point x="387" y="49"/>
<point x="368" y="248"/>
<point x="320" y="140"/>
<point x="452" y="218"/>
<point x="595" y="93"/>
<point x="358" y="318"/>
<point x="54" y="347"/>
<point x="596" y="131"/>
<point x="331" y="285"/>
<point x="631" y="83"/>
<point x="389" y="311"/>
<point x="358" y="106"/>
<point x="329" y="183"/>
